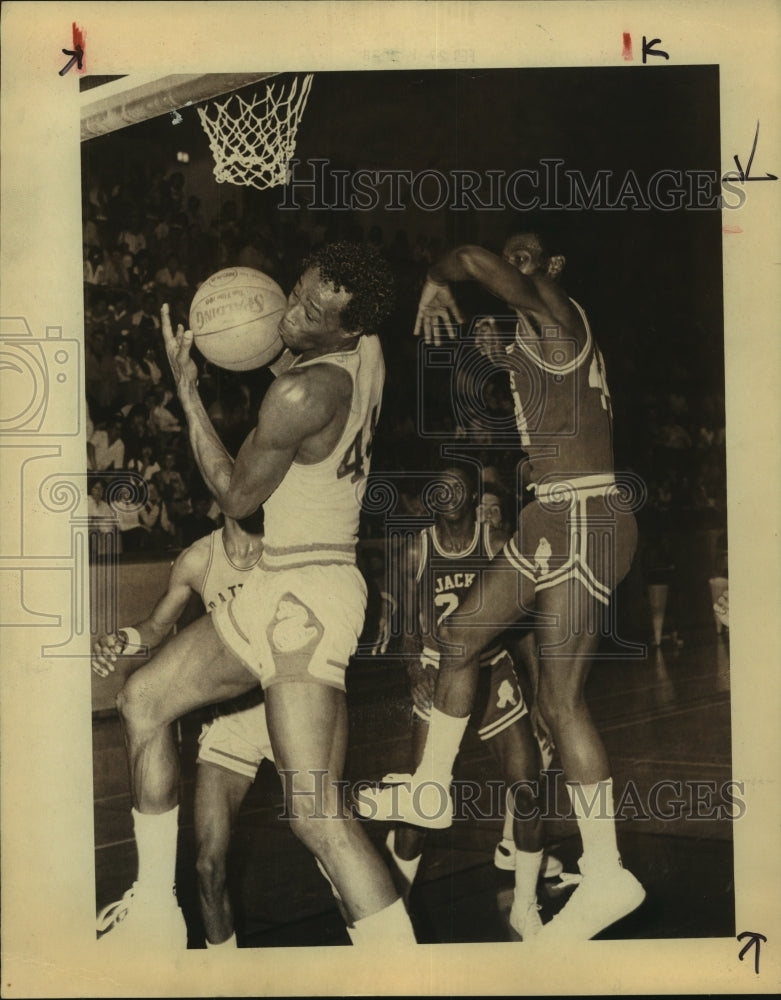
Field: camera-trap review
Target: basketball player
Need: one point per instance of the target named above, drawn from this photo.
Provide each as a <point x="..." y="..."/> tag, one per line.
<point x="574" y="544"/>
<point x="441" y="564"/>
<point x="232" y="746"/>
<point x="296" y="622"/>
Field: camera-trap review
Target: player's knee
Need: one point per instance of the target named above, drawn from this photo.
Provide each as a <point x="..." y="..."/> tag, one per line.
<point x="135" y="706"/>
<point x="321" y="829"/>
<point x="558" y="705"/>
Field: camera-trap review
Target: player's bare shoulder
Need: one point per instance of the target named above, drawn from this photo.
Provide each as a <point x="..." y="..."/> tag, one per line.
<point x="316" y="399"/>
<point x="190" y="565"/>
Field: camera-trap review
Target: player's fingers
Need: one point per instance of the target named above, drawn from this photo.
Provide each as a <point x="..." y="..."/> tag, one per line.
<point x="418" y="324"/>
<point x="185" y="338"/>
<point x="165" y="323"/>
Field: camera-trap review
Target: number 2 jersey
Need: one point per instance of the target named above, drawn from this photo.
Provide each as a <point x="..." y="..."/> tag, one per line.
<point x="313" y="514"/>
<point x="443" y="578"/>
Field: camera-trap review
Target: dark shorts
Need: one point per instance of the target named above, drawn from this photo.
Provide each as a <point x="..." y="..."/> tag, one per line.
<point x="582" y="530"/>
<point x="498" y="703"/>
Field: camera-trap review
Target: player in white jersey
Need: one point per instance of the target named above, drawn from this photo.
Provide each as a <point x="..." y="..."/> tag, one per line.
<point x="441" y="564"/>
<point x="295" y="624"/>
<point x="232" y="746"/>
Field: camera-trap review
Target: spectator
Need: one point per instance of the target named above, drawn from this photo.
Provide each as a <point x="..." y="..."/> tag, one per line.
<point x="100" y="373"/>
<point x="130" y="383"/>
<point x="145" y="464"/>
<point x="171" y="276"/>
<point x="173" y="490"/>
<point x="162" y="422"/>
<point x="136" y="435"/>
<point x="150" y="369"/>
<point x="94" y="271"/>
<point x="154" y="519"/>
<point x="119" y="317"/>
<point x="101" y="517"/>
<point x="145" y="321"/>
<point x="132" y="236"/>
<point x="197" y="522"/>
<point x="109" y="446"/>
<point x="134" y="537"/>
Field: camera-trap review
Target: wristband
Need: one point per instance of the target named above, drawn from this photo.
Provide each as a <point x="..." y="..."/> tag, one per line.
<point x="133" y="642"/>
<point x="433" y="281"/>
<point x="390" y="599"/>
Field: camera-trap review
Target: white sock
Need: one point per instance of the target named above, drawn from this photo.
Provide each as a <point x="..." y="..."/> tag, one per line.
<point x="156" y="835"/>
<point x="527" y="871"/>
<point x="593" y="806"/>
<point x="408" y="869"/>
<point x="388" y="926"/>
<point x="230" y="943"/>
<point x="443" y="742"/>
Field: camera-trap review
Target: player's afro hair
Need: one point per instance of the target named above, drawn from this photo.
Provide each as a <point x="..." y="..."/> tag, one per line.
<point x="361" y="271"/>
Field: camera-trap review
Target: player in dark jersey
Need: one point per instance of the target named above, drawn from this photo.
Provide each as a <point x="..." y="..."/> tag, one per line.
<point x="574" y="544"/>
<point x="441" y="564"/>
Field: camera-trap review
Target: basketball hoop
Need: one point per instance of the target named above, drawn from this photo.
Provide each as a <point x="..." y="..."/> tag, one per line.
<point x="252" y="144"/>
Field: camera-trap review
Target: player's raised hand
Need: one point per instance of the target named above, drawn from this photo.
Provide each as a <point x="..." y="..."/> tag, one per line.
<point x="105" y="650"/>
<point x="438" y="312"/>
<point x="177" y="347"/>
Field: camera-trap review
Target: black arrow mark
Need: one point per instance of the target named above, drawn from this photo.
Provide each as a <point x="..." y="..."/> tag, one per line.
<point x="76" y="57"/>
<point x="753" y="942"/>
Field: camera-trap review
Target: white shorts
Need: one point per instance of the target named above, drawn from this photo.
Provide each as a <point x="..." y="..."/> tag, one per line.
<point x="296" y="624"/>
<point x="237" y="741"/>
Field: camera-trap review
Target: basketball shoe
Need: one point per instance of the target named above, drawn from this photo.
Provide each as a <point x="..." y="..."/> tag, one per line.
<point x="598" y="901"/>
<point x="141" y="920"/>
<point x="427" y="803"/>
<point x="526" y="922"/>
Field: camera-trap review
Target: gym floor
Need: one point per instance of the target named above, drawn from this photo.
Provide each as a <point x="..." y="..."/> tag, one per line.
<point x="665" y="719"/>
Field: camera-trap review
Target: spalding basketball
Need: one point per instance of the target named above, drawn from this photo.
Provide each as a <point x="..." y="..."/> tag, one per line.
<point x="234" y="318"/>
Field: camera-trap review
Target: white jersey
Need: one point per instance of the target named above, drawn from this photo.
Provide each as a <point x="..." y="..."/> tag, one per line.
<point x="223" y="579"/>
<point x="313" y="514"/>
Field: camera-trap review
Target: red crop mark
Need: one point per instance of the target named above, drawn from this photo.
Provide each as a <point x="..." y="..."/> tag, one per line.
<point x="627" y="51"/>
<point x="79" y="38"/>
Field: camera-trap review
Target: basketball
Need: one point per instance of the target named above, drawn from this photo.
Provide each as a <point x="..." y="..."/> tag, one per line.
<point x="234" y="317"/>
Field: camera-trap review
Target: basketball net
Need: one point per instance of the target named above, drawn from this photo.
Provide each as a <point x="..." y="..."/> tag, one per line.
<point x="252" y="144"/>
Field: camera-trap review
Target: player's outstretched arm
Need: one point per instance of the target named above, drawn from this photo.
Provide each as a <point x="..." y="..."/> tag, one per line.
<point x="185" y="576"/>
<point x="473" y="263"/>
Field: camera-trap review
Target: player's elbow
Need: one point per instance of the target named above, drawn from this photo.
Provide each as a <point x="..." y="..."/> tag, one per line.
<point x="238" y="507"/>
